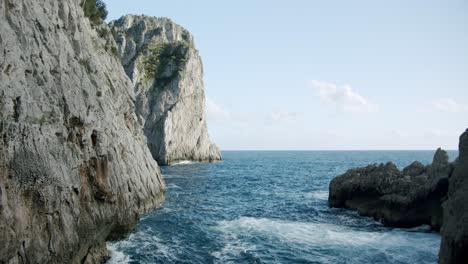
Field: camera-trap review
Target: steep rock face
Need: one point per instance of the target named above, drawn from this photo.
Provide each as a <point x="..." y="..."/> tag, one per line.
<point x="161" y="59"/>
<point x="454" y="245"/>
<point x="74" y="166"/>
<point x="407" y="198"/>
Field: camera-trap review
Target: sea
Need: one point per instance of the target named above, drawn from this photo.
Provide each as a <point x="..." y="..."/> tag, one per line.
<point x="271" y="207"/>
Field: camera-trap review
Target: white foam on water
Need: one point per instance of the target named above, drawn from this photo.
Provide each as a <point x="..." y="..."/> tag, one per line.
<point x="315" y="236"/>
<point x="423" y="228"/>
<point x="234" y="248"/>
<point x="117" y="257"/>
<point x="162" y="248"/>
<point x="318" y="195"/>
<point x="142" y="243"/>
<point x="183" y="162"/>
<point x="296" y="232"/>
<point x="173" y="186"/>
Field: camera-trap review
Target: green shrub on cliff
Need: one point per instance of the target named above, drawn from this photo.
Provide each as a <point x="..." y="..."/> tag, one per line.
<point x="95" y="10"/>
<point x="161" y="56"/>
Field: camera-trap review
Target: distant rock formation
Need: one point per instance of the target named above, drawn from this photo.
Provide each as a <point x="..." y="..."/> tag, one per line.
<point x="454" y="246"/>
<point x="407" y="198"/>
<point x="74" y="166"/>
<point x="161" y="59"/>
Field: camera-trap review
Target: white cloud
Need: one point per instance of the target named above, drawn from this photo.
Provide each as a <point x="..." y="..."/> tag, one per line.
<point x="450" y="105"/>
<point x="214" y="111"/>
<point x="344" y="97"/>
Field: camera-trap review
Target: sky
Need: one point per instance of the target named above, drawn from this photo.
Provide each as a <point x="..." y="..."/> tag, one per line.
<point x="327" y="75"/>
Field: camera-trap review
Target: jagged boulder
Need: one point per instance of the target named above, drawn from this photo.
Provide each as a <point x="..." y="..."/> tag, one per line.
<point x="75" y="169"/>
<point x="454" y="245"/>
<point x="407" y="198"/>
<point x="161" y="59"/>
<point x="414" y="169"/>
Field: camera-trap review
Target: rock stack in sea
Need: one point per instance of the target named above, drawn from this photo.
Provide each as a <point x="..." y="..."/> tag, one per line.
<point x="75" y="169"/>
<point x="436" y="195"/>
<point x="406" y="198"/>
<point x="160" y="58"/>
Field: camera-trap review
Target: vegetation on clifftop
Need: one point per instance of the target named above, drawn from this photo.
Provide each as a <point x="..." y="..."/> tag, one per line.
<point x="164" y="60"/>
<point x="95" y="10"/>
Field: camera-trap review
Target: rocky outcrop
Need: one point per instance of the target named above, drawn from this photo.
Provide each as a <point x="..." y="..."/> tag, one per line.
<point x="161" y="59"/>
<point x="406" y="198"/>
<point x="436" y="195"/>
<point x="74" y="166"/>
<point x="454" y="245"/>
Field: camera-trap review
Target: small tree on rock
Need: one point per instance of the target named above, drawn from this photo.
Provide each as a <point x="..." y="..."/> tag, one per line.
<point x="95" y="10"/>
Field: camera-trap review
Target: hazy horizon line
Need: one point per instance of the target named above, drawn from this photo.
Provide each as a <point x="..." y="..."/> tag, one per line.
<point x="336" y="150"/>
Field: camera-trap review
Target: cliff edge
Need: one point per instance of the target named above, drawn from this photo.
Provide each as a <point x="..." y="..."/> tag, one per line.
<point x="74" y="166"/>
<point x="160" y="58"/>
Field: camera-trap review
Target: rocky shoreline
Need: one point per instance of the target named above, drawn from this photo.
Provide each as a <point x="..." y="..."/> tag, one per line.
<point x="434" y="195"/>
<point x="88" y="111"/>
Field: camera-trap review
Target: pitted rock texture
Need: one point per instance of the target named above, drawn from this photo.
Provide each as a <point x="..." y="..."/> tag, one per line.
<point x="75" y="169"/>
<point x="454" y="245"/>
<point x="406" y="198"/>
<point x="161" y="59"/>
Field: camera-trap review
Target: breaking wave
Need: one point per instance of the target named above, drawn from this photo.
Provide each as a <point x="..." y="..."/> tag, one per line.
<point x="394" y="246"/>
<point x="184" y="162"/>
<point x="270" y="207"/>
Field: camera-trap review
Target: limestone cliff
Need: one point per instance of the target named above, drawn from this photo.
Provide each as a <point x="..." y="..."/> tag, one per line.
<point x="161" y="59"/>
<point x="74" y="166"/>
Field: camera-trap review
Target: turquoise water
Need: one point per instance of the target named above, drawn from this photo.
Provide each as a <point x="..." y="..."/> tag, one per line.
<point x="270" y="207"/>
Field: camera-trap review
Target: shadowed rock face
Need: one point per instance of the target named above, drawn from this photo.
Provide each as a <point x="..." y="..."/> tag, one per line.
<point x="407" y="198"/>
<point x="436" y="194"/>
<point x="454" y="245"/>
<point x="161" y="59"/>
<point x="74" y="166"/>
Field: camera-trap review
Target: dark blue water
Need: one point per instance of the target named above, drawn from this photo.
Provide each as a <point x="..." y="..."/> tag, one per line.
<point x="270" y="207"/>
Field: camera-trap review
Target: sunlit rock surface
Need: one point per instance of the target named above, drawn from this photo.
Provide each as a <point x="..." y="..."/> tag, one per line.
<point x="161" y="59"/>
<point x="75" y="169"/>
